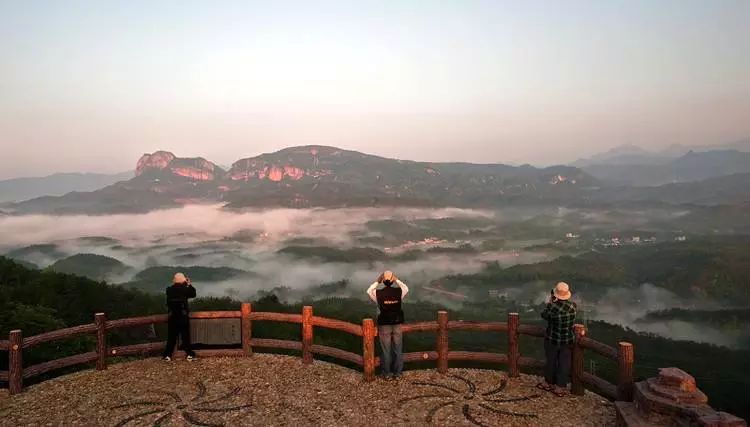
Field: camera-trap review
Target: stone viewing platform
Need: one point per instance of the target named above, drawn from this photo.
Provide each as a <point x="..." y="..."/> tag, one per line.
<point x="236" y="386"/>
<point x="279" y="390"/>
<point x="671" y="399"/>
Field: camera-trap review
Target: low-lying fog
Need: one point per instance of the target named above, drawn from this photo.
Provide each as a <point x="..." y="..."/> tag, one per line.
<point x="250" y="241"/>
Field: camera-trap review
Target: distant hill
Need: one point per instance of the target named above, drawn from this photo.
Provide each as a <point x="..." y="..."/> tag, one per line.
<point x="701" y="269"/>
<point x="635" y="155"/>
<point x="693" y="166"/>
<point x="156" y="279"/>
<point x="95" y="267"/>
<point x="38" y="254"/>
<point x="19" y="189"/>
<point x="317" y="176"/>
<point x="724" y="190"/>
<point x="624" y="155"/>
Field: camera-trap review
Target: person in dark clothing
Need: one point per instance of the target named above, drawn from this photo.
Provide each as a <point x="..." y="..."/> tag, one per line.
<point x="560" y="314"/>
<point x="390" y="318"/>
<point x="179" y="316"/>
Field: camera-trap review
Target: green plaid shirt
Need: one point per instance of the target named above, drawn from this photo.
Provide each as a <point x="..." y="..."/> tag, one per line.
<point x="560" y="316"/>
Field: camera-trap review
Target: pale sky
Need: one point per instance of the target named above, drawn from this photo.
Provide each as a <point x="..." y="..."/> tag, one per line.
<point x="92" y="85"/>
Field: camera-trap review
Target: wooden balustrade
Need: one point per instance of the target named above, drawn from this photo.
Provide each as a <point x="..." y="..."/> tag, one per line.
<point x="59" y="334"/>
<point x="442" y="342"/>
<point x="471" y="325"/>
<point x="100" y="320"/>
<point x="576" y="369"/>
<point x="15" y="361"/>
<point x="580" y="379"/>
<point x="307" y="334"/>
<point x="216" y="315"/>
<point x="340" y="325"/>
<point x="368" y="349"/>
<point x="596" y="346"/>
<point x="513" y="352"/>
<point x="531" y="330"/>
<point x="625" y="370"/>
<point x="136" y="321"/>
<point x="246" y="325"/>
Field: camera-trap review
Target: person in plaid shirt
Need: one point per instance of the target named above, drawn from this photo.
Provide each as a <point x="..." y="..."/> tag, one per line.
<point x="560" y="314"/>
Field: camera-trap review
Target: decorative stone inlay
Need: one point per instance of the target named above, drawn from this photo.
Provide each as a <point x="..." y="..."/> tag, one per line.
<point x="470" y="401"/>
<point x="196" y="411"/>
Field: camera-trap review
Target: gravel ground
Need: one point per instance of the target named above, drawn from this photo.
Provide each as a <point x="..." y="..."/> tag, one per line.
<point x="271" y="390"/>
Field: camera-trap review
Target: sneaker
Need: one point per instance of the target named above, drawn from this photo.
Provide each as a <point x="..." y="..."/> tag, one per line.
<point x="190" y="358"/>
<point x="167" y="359"/>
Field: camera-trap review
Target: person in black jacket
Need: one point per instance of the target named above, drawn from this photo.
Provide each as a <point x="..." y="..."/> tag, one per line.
<point x="390" y="318"/>
<point x="179" y="316"/>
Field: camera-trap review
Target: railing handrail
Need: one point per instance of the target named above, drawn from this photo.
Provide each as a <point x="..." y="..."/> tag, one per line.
<point x="326" y="322"/>
<point x="579" y="379"/>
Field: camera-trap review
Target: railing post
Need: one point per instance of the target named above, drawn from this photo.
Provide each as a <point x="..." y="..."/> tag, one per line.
<point x="246" y="328"/>
<point x="442" y="341"/>
<point x="307" y="334"/>
<point x="625" y="380"/>
<point x="576" y="371"/>
<point x="513" y="351"/>
<point x="100" y="319"/>
<point x="15" y="361"/>
<point x="368" y="348"/>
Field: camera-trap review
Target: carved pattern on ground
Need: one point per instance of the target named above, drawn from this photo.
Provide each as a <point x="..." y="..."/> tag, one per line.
<point x="473" y="404"/>
<point x="196" y="411"/>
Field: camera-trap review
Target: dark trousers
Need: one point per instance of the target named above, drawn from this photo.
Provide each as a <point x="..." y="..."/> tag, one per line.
<point x="557" y="368"/>
<point x="178" y="325"/>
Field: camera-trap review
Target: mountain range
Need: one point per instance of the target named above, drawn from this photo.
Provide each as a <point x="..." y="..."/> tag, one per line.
<point x="322" y="176"/>
<point x="316" y="176"/>
<point x="19" y="189"/>
<point x="693" y="166"/>
<point x="634" y="155"/>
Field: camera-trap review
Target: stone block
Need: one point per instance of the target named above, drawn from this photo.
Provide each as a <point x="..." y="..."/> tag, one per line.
<point x="721" y="419"/>
<point x="677" y="378"/>
<point x="695" y="397"/>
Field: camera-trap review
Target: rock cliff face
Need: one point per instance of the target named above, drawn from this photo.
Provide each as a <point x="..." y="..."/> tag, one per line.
<point x="247" y="169"/>
<point x="197" y="168"/>
<point x="291" y="164"/>
<point x="158" y="160"/>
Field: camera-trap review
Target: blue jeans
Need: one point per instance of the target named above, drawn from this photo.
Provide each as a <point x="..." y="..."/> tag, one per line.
<point x="391" y="344"/>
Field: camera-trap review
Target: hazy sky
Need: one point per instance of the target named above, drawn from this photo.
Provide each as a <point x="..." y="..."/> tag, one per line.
<point x="90" y="86"/>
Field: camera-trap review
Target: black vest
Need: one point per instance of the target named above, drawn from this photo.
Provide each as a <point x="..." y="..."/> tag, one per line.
<point x="389" y="302"/>
<point x="177" y="299"/>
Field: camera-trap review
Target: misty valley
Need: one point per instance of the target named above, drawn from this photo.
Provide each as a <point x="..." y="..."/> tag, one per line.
<point x="655" y="277"/>
<point x="642" y="269"/>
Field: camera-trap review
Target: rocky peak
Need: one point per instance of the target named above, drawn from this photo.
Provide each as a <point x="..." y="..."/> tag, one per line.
<point x="194" y="168"/>
<point x="292" y="163"/>
<point x="159" y="160"/>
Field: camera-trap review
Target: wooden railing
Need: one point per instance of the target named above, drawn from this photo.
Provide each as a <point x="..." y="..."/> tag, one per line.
<point x="580" y="379"/>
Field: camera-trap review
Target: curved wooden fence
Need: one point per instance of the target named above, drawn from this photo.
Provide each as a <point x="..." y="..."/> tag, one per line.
<point x="580" y="379"/>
